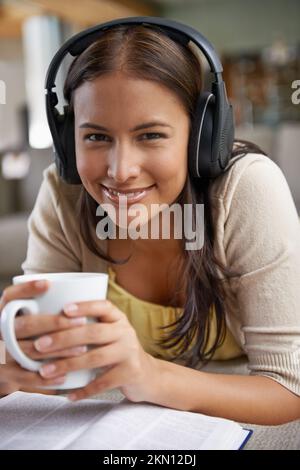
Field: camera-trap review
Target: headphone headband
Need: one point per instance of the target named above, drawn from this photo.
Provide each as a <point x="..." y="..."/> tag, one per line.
<point x="78" y="43"/>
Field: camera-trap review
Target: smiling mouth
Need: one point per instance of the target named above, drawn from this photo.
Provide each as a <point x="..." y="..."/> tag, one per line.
<point x="119" y="196"/>
<point x="126" y="192"/>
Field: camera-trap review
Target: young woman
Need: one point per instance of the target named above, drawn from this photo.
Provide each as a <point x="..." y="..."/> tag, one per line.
<point x="133" y="94"/>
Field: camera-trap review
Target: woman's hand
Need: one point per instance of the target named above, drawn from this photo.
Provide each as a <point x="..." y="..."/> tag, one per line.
<point x="116" y="348"/>
<point x="12" y="376"/>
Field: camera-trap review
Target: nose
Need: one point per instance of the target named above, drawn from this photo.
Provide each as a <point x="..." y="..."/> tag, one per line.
<point x="122" y="164"/>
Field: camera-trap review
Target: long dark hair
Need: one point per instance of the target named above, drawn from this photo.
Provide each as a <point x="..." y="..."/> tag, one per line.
<point x="147" y="53"/>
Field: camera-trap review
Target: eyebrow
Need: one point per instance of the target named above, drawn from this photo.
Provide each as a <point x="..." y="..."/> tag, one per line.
<point x="146" y="125"/>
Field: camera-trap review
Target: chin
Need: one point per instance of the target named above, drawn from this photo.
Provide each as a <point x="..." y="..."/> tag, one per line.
<point x="126" y="222"/>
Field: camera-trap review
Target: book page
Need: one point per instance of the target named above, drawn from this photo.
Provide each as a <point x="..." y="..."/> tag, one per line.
<point x="36" y="421"/>
<point x="145" y="426"/>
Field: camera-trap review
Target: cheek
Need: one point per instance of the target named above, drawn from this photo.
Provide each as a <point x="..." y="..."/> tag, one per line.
<point x="84" y="167"/>
<point x="172" y="168"/>
<point x="89" y="166"/>
<point x="81" y="158"/>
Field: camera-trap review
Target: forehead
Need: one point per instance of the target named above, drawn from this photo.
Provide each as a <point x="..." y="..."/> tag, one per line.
<point x="116" y="92"/>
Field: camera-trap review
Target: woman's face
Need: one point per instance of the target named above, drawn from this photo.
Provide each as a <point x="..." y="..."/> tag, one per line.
<point x="130" y="134"/>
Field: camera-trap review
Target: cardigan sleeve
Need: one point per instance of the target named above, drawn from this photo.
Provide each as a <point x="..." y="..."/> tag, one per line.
<point x="262" y="245"/>
<point x="50" y="247"/>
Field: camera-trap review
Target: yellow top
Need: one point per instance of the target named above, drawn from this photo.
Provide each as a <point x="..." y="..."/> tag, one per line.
<point x="146" y="317"/>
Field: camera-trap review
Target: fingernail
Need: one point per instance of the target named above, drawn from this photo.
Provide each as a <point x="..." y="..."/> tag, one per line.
<point x="47" y="370"/>
<point x="78" y="321"/>
<point x="40" y="284"/>
<point x="79" y="350"/>
<point x="43" y="343"/>
<point x="71" y="308"/>
<point x="59" y="380"/>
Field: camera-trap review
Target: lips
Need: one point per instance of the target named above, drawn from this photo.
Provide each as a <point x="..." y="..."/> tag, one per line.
<point x="128" y="197"/>
<point x="127" y="191"/>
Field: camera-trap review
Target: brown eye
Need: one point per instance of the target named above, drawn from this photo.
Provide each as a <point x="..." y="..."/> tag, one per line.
<point x="153" y="136"/>
<point x="96" y="137"/>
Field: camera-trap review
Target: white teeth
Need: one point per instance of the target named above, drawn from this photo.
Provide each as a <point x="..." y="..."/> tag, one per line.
<point x="117" y="193"/>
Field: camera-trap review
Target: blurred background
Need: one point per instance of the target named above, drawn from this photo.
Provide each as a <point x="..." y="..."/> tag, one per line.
<point x="259" y="45"/>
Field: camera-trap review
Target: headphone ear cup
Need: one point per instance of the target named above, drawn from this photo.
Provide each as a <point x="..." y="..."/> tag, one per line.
<point x="200" y="142"/>
<point x="227" y="137"/>
<point x="68" y="168"/>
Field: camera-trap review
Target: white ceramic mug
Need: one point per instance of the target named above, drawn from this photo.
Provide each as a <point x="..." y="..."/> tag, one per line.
<point x="64" y="288"/>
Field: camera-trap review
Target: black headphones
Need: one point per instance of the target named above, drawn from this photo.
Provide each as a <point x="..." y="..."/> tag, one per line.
<point x="212" y="130"/>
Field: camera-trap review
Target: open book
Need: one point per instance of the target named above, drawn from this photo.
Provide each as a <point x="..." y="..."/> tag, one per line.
<point x="37" y="421"/>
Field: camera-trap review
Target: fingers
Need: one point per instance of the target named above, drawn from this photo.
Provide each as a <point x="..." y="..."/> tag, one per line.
<point x="23" y="291"/>
<point x="97" y="357"/>
<point x="113" y="378"/>
<point x="105" y="310"/>
<point x="27" y="326"/>
<point x="92" y="333"/>
<point x="29" y="349"/>
<point x="39" y="390"/>
<point x="15" y="373"/>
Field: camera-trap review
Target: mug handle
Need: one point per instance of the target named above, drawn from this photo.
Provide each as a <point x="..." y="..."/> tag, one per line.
<point x="7" y="318"/>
